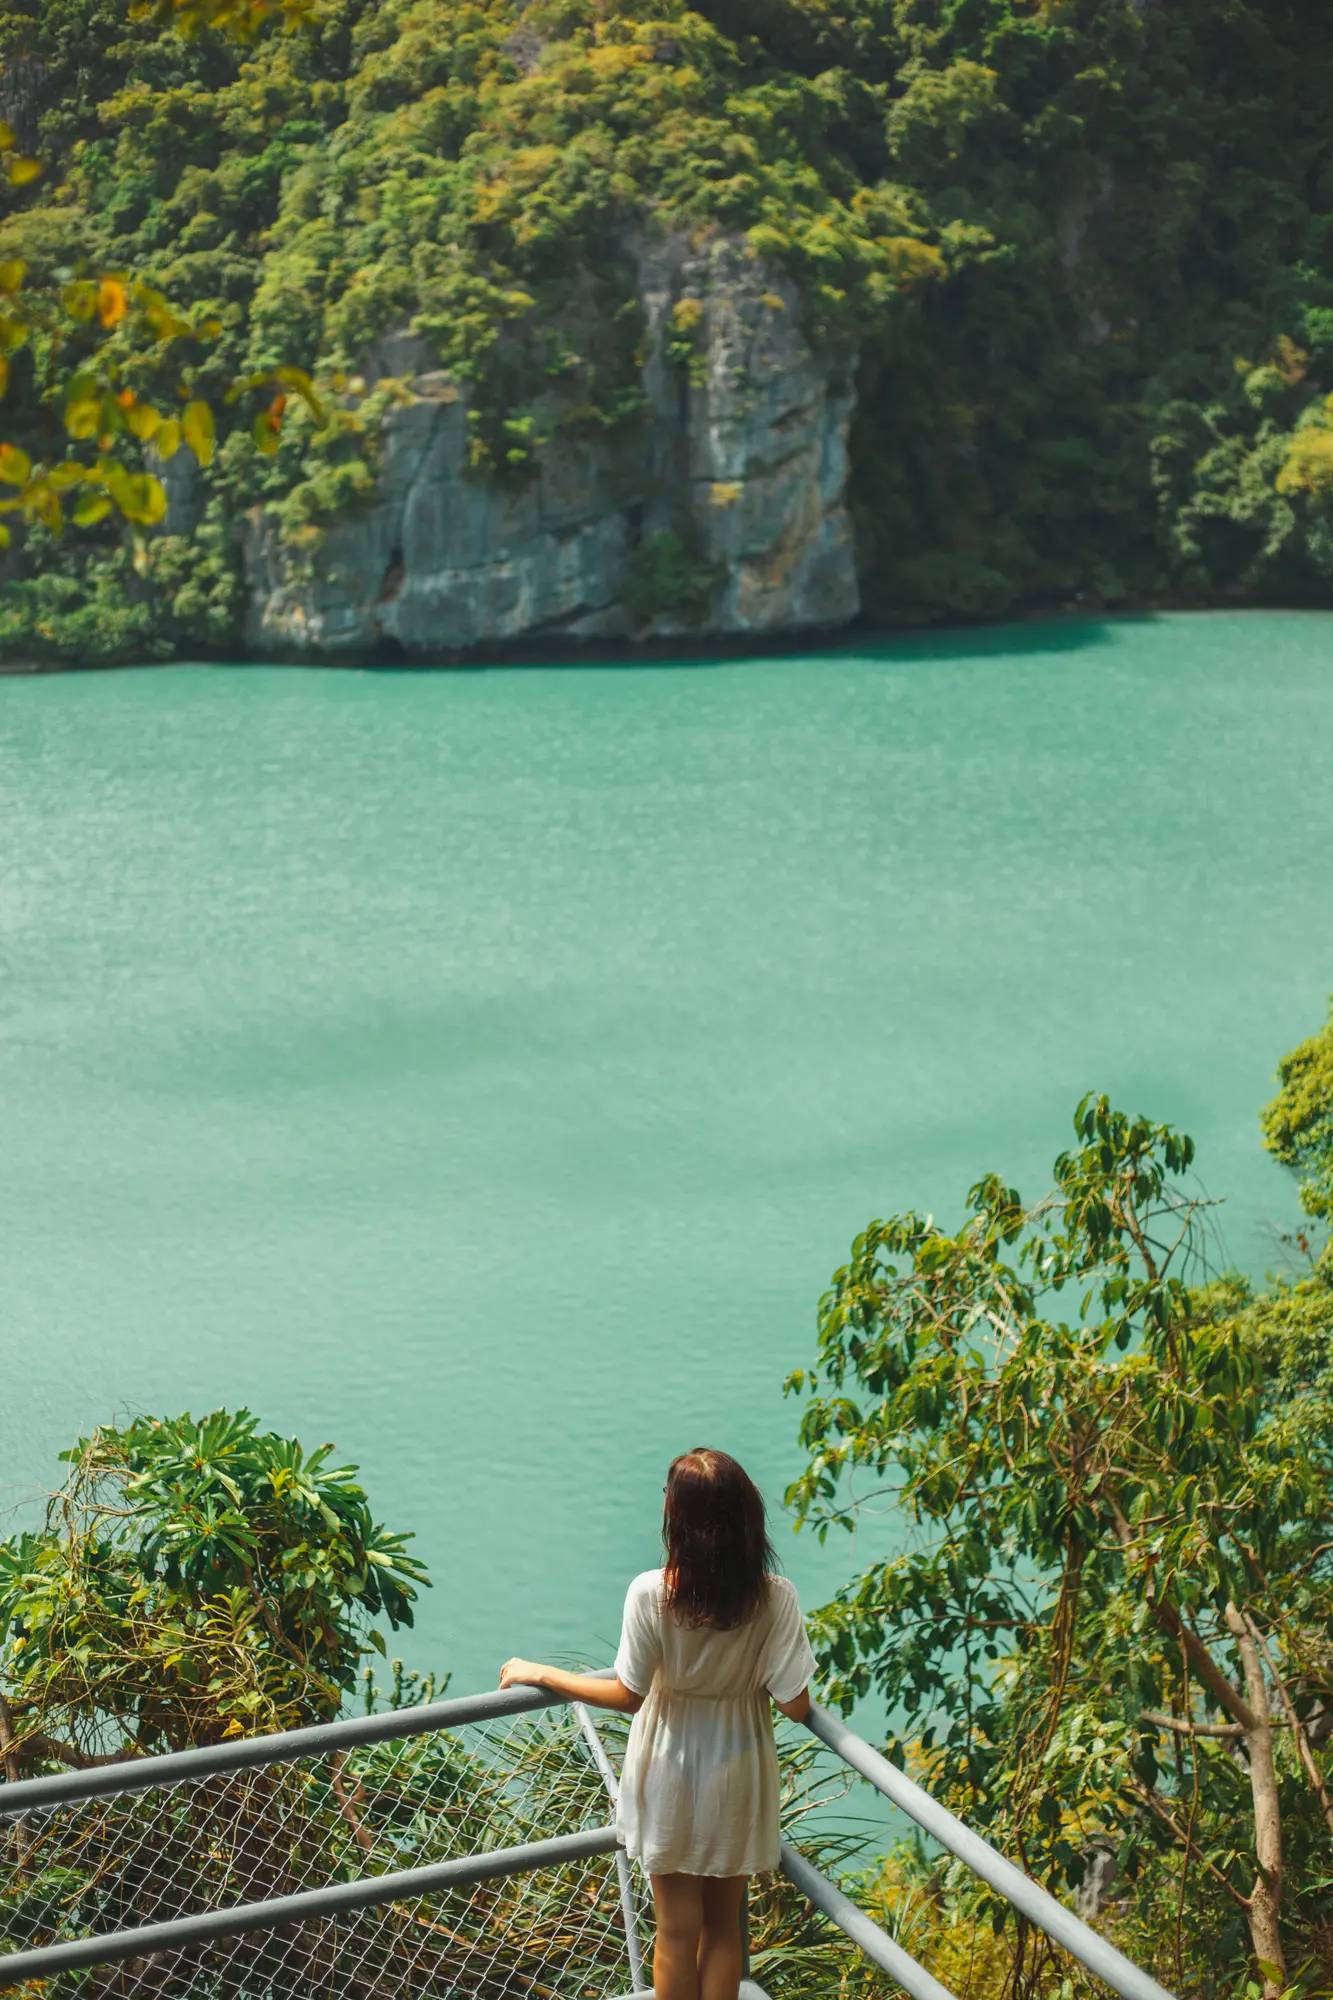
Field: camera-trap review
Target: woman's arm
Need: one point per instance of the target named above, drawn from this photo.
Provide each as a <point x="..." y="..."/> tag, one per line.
<point x="795" y="1711"/>
<point x="592" y="1688"/>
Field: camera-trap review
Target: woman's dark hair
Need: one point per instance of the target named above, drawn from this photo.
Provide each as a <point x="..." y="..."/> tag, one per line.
<point x="718" y="1555"/>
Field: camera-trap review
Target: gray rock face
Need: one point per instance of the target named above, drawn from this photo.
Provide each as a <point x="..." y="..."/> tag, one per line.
<point x="738" y="471"/>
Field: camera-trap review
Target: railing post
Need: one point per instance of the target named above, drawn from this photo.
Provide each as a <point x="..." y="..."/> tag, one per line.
<point x="628" y="1912"/>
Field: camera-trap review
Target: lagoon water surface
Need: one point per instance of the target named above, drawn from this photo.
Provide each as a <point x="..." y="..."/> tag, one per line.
<point x="486" y="1071"/>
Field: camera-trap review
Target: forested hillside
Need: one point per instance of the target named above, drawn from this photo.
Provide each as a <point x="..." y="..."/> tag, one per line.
<point x="1081" y="251"/>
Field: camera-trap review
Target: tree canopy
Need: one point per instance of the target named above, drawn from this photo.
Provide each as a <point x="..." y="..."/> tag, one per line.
<point x="1298" y="1124"/>
<point x="1111" y="1627"/>
<point x="194" y="1579"/>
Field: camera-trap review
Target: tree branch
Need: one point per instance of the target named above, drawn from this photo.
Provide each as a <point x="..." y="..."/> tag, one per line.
<point x="1171" y="1622"/>
<point x="1156" y="1805"/>
<point x="1228" y="1729"/>
<point x="1303" y="1750"/>
<point x="8" y="1743"/>
<point x="69" y="1753"/>
<point x="1266" y="1895"/>
<point x="346" y="1805"/>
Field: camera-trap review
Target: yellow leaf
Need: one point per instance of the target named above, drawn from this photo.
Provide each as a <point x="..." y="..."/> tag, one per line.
<point x="1308" y="465"/>
<point x="197" y="427"/>
<point x="150" y="500"/>
<point x="45" y="505"/>
<point x="13" y="333"/>
<point x="13" y="271"/>
<point x="6" y="135"/>
<point x="168" y="439"/>
<point x="68" y="473"/>
<point x="23" y="170"/>
<point x="301" y="385"/>
<point x="80" y="299"/>
<point x="144" y="421"/>
<point x="4" y="373"/>
<point x="110" y="473"/>
<point x="111" y="302"/>
<point x="15" y="465"/>
<point x="83" y="417"/>
<point x="94" y="507"/>
<point x="4" y="536"/>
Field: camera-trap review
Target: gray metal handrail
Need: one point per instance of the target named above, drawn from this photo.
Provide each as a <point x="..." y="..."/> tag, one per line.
<point x="1019" y="1890"/>
<point x="324" y="1739"/>
<point x="863" y="1931"/>
<point x="245" y="1753"/>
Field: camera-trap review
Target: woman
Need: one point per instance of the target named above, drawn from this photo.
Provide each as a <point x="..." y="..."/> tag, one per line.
<point x="707" y="1641"/>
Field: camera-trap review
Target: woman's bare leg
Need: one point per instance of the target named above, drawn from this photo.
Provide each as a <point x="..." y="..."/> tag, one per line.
<point x="720" y="1936"/>
<point x="680" y="1918"/>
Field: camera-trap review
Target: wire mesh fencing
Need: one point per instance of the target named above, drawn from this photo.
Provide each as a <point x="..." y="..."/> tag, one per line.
<point x="95" y="1867"/>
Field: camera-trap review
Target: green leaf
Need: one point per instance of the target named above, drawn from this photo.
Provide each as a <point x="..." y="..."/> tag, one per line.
<point x="266" y="432"/>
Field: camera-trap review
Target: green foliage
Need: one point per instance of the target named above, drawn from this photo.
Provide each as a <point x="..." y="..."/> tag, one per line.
<point x="667" y="576"/>
<point x="194" y="1579"/>
<point x="1085" y="247"/>
<point x="1113" y="1624"/>
<point x="1298" y="1124"/>
<point x="1132" y="201"/>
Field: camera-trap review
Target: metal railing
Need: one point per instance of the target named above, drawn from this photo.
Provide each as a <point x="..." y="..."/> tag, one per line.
<point x="1091" y="1950"/>
<point x="335" y="1860"/>
<point x="460" y="1848"/>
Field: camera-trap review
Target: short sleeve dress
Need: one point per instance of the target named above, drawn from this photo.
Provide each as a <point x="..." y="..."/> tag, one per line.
<point x="699" y="1791"/>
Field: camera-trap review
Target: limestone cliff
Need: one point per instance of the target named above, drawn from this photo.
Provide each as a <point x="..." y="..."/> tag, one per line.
<point x="719" y="511"/>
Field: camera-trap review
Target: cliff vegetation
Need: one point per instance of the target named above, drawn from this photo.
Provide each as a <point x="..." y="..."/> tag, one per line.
<point x="1083" y="249"/>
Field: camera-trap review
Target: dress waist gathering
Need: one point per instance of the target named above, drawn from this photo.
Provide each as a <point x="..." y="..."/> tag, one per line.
<point x="664" y="1690"/>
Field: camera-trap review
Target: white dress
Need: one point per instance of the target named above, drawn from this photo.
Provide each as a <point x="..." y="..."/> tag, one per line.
<point x="699" y="1791"/>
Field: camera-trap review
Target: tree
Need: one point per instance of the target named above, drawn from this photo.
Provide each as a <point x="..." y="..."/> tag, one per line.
<point x="194" y="1579"/>
<point x="1113" y="1623"/>
<point x="1298" y="1124"/>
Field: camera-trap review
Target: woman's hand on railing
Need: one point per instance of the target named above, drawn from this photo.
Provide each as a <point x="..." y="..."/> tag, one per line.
<point x="522" y="1673"/>
<point x="597" y="1690"/>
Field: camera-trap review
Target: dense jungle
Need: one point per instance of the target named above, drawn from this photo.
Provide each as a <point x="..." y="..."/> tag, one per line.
<point x="1078" y="253"/>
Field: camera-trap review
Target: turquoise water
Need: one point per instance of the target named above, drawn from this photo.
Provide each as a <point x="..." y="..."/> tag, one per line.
<point x="486" y="1071"/>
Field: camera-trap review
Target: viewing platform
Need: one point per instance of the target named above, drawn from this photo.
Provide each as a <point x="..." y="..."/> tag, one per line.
<point x="462" y="1848"/>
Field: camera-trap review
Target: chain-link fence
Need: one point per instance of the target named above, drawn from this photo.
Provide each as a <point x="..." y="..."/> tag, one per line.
<point x="459" y="1851"/>
<point x="340" y="1821"/>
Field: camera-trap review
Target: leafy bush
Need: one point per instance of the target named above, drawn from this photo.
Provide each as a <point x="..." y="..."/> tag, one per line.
<point x="194" y="1579"/>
